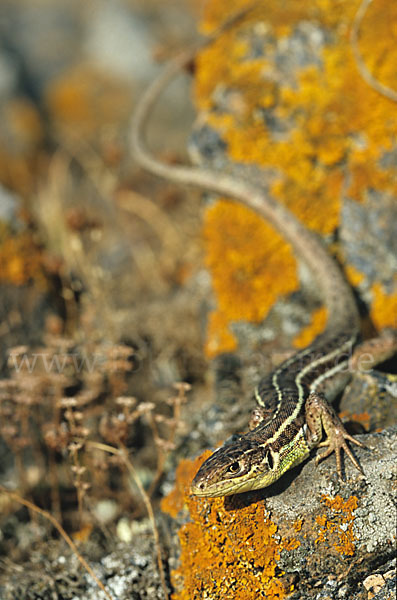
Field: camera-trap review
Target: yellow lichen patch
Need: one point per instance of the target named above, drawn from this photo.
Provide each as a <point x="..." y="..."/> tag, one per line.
<point x="225" y="552"/>
<point x="216" y="12"/>
<point x="379" y="55"/>
<point x="384" y="307"/>
<point x="363" y="418"/>
<point x="337" y="528"/>
<point x="20" y="259"/>
<point x="297" y="525"/>
<point x="307" y="335"/>
<point x="354" y="276"/>
<point x="331" y="138"/>
<point x="219" y="336"/>
<point x="21" y="135"/>
<point x="290" y="544"/>
<point x="251" y="267"/>
<point x="174" y="502"/>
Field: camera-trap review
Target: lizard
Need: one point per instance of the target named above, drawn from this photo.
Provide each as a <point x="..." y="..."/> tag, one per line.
<point x="293" y="402"/>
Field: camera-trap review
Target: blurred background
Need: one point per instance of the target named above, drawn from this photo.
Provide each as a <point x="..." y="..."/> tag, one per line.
<point x="95" y="315"/>
<point x="80" y="224"/>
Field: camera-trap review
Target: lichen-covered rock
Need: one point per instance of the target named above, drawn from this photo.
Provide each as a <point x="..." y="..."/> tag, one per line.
<point x="281" y="103"/>
<point x="283" y="95"/>
<point x="307" y="534"/>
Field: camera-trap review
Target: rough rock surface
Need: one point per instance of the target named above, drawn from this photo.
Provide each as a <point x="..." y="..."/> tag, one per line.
<point x="129" y="572"/>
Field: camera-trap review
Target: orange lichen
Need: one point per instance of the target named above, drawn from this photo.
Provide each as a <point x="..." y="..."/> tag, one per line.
<point x="20" y="259"/>
<point x="363" y="418"/>
<point x="174" y="502"/>
<point x="21" y="135"/>
<point x="225" y="552"/>
<point x="384" y="307"/>
<point x="83" y="534"/>
<point x="297" y="525"/>
<point x="379" y="55"/>
<point x="219" y="336"/>
<point x="329" y="132"/>
<point x="354" y="276"/>
<point x="307" y="335"/>
<point x="337" y="528"/>
<point x="245" y="256"/>
<point x="290" y="544"/>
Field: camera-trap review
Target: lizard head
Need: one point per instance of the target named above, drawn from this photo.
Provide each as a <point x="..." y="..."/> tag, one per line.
<point x="234" y="468"/>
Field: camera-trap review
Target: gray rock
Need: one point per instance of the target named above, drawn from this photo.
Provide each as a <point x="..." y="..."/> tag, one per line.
<point x="369" y="237"/>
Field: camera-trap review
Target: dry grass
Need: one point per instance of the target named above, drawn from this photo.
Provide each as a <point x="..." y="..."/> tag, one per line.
<point x="74" y="412"/>
<point x="48" y="429"/>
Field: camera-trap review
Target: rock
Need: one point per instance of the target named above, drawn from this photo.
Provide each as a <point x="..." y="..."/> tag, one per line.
<point x="128" y="571"/>
<point x="320" y="538"/>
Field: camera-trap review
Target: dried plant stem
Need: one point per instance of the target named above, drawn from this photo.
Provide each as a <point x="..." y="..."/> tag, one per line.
<point x="161" y="456"/>
<point x="58" y="526"/>
<point x="78" y="486"/>
<point x="153" y="215"/>
<point x="176" y="403"/>
<point x="123" y="453"/>
<point x="149" y="508"/>
<point x="20" y="468"/>
<point x="54" y="485"/>
<point x="158" y="474"/>
<point x="105" y="182"/>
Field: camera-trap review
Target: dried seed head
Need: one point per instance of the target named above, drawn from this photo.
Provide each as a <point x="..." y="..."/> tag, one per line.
<point x="171" y="422"/>
<point x="78" y="469"/>
<point x="83" y="431"/>
<point x="126" y="401"/>
<point x="146" y="407"/>
<point x="182" y="386"/>
<point x="74" y="447"/>
<point x="67" y="402"/>
<point x="165" y="445"/>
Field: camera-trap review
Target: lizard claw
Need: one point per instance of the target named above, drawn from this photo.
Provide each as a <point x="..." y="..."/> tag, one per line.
<point x="321" y="416"/>
<point x="335" y="442"/>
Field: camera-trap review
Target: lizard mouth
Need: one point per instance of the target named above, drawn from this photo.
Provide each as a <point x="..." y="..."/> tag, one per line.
<point x="216" y="490"/>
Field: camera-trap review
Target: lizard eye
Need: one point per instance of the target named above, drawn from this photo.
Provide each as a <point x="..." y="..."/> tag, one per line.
<point x="234" y="468"/>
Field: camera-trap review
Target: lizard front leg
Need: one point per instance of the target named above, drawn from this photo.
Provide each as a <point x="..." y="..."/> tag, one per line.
<point x="321" y="416"/>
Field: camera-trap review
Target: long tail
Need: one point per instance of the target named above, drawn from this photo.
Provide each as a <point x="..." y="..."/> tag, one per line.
<point x="336" y="294"/>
